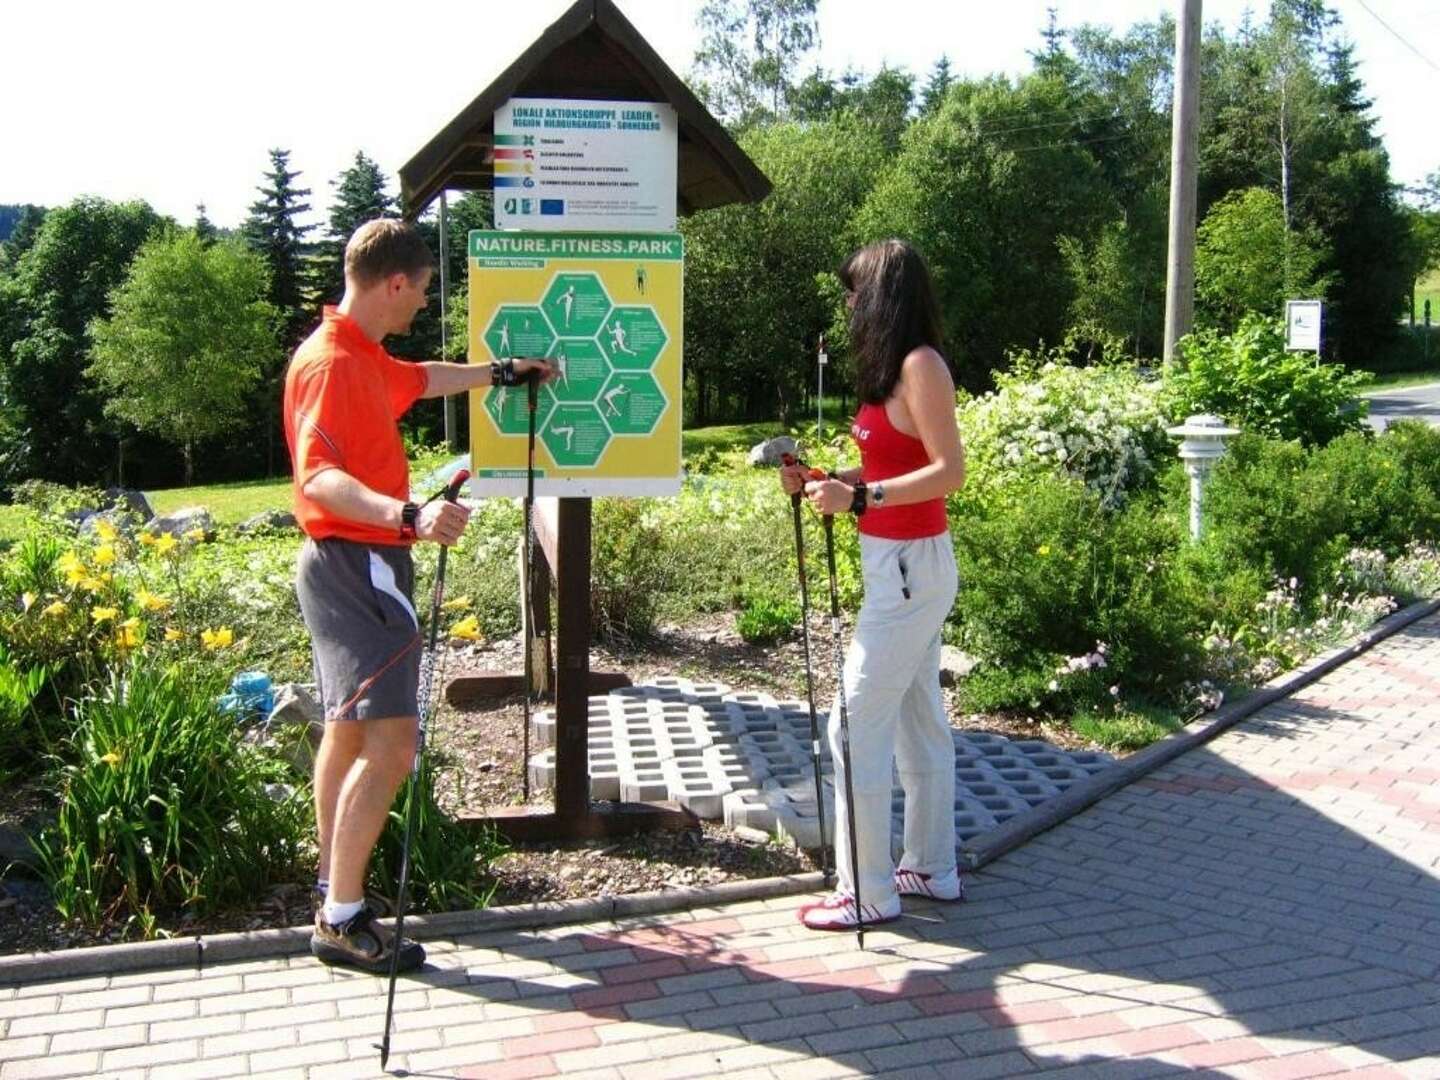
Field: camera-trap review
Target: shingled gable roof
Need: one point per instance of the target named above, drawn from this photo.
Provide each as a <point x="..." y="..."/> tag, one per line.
<point x="591" y="52"/>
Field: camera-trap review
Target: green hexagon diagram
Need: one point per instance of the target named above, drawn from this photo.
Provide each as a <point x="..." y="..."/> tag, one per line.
<point x="576" y="305"/>
<point x="632" y="338"/>
<point x="518" y="331"/>
<point x="631" y="403"/>
<point x="509" y="408"/>
<point x="580" y="369"/>
<point x="575" y="436"/>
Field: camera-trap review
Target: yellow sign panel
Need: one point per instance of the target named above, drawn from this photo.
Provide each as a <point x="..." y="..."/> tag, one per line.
<point x="607" y="310"/>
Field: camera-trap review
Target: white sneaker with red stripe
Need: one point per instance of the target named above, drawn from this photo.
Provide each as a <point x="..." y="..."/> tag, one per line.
<point x="837" y="912"/>
<point x="914" y="883"/>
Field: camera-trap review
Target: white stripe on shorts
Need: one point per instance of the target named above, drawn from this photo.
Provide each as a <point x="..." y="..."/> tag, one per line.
<point x="382" y="576"/>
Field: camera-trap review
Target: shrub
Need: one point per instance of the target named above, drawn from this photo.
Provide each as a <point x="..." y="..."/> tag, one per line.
<point x="1264" y="508"/>
<point x="1102" y="426"/>
<point x="632" y="567"/>
<point x="765" y="619"/>
<point x="1388" y="488"/>
<point x="1049" y="577"/>
<point x="165" y="809"/>
<point x="56" y="500"/>
<point x="1249" y="379"/>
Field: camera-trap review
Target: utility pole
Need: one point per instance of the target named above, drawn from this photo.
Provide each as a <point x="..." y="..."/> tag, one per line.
<point x="1184" y="151"/>
<point x="450" y="412"/>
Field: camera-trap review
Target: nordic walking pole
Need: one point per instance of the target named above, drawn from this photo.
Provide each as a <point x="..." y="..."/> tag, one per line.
<point x="427" y="673"/>
<point x="532" y="390"/>
<point x="825" y="867"/>
<point x="829" y="520"/>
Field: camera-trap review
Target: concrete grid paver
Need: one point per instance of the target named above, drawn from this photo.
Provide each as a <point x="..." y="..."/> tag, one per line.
<point x="1263" y="906"/>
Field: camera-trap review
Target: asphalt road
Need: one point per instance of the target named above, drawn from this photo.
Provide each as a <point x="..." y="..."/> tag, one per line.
<point x="1417" y="402"/>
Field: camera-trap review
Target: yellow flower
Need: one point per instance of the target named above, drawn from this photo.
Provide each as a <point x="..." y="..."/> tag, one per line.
<point x="56" y="609"/>
<point x="467" y="629"/>
<point x="197" y="534"/>
<point x="171" y="634"/>
<point x="147" y="539"/>
<point x="27" y="600"/>
<point x="112" y="759"/>
<point x="105" y="555"/>
<point x="105" y="530"/>
<point x="151" y="601"/>
<point x="1043" y="550"/>
<point x="460" y="603"/>
<point x="127" y="634"/>
<point x="104" y="614"/>
<point x="165" y="543"/>
<point x="73" y="568"/>
<point x="93" y="584"/>
<point x="217" y="639"/>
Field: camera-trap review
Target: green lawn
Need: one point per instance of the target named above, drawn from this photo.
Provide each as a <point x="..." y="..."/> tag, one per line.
<point x="1396" y="380"/>
<point x="229" y="504"/>
<point x="728" y="436"/>
<point x="1428" y="288"/>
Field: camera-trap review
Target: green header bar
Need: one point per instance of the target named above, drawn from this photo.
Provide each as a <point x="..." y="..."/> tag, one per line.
<point x="487" y="245"/>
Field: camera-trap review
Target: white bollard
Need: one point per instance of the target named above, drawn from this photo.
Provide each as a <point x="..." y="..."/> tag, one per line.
<point x="1203" y="443"/>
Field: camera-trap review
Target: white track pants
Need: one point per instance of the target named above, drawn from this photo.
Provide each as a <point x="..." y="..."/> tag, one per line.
<point x="897" y="716"/>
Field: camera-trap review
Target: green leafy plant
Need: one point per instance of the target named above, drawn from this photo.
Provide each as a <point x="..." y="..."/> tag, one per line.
<point x="765" y="619"/>
<point x="165" y="810"/>
<point x="19" y="687"/>
<point x="1250" y="380"/>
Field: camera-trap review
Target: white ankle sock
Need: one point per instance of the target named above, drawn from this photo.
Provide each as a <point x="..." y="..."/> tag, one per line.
<point x="336" y="913"/>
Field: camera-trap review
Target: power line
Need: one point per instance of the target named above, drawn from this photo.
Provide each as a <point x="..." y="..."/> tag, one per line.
<point x="1398" y="37"/>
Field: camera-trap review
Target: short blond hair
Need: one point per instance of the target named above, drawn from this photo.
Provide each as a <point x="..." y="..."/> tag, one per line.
<point x="383" y="247"/>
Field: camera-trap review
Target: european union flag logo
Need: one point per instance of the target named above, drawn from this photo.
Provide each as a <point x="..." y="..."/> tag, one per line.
<point x="552" y="206"/>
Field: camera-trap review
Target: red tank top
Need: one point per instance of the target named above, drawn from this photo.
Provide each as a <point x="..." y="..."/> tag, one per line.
<point x="885" y="453"/>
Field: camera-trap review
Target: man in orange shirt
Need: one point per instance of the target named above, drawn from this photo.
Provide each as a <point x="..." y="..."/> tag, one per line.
<point x="344" y="395"/>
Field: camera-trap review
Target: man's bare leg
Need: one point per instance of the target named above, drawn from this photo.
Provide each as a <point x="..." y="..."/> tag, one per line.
<point x="339" y="747"/>
<point x="384" y="759"/>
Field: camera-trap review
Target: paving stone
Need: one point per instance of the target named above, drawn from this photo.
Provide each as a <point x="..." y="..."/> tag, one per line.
<point x="744" y="758"/>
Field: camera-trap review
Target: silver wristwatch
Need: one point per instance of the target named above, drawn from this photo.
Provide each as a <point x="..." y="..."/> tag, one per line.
<point x="877" y="494"/>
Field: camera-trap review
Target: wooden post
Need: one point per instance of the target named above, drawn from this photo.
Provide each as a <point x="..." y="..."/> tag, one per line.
<point x="574" y="816"/>
<point x="1184" y="149"/>
<point x="572" y="677"/>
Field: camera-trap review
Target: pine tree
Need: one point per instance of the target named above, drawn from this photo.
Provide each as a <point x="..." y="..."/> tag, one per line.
<point x="204" y="227"/>
<point x="360" y="196"/>
<point x="936" y="87"/>
<point x="272" y="229"/>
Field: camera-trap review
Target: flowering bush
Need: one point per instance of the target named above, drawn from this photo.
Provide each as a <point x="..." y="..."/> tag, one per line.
<point x="1282" y="633"/>
<point x="1103" y="426"/>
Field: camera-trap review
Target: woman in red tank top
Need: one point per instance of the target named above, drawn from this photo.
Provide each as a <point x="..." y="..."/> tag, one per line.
<point x="910" y="459"/>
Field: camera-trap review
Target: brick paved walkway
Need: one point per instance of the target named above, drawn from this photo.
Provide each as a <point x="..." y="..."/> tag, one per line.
<point x="1266" y="906"/>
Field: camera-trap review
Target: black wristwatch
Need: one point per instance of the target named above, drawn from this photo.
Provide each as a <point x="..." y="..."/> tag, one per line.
<point x="857" y="502"/>
<point x="876" y="494"/>
<point x="408" y="515"/>
<point x="502" y="373"/>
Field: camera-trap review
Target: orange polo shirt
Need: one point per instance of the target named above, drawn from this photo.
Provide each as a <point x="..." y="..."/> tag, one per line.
<point x="344" y="396"/>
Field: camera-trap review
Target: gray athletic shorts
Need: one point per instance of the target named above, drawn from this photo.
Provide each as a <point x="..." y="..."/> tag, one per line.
<point x="358" y="603"/>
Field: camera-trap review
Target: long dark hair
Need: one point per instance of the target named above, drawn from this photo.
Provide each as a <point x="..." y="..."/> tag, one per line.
<point x="894" y="313"/>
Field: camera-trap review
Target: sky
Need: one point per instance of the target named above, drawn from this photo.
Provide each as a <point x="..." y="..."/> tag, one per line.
<point x="179" y="103"/>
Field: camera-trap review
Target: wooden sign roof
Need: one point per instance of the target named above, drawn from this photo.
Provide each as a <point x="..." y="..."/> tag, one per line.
<point x="591" y="52"/>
